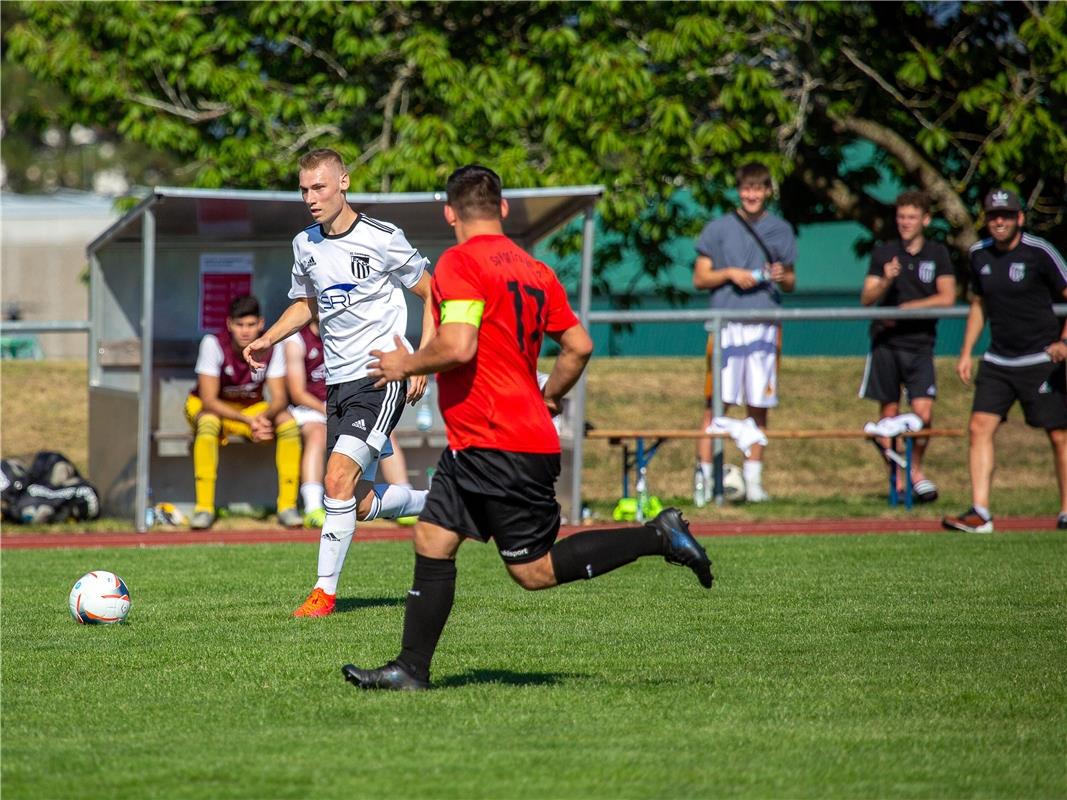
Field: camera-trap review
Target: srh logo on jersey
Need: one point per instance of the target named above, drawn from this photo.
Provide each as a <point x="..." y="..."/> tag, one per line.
<point x="360" y="266"/>
<point x="336" y="296"/>
<point x="926" y="271"/>
<point x="1017" y="271"/>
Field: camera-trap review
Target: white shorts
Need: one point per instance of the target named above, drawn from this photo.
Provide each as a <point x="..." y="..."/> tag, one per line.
<point x="304" y="415"/>
<point x="750" y="364"/>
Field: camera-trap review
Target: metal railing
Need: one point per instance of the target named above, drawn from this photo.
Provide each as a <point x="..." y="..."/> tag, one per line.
<point x="713" y="320"/>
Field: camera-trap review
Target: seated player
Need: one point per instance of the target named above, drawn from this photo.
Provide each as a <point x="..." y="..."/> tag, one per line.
<point x="228" y="401"/>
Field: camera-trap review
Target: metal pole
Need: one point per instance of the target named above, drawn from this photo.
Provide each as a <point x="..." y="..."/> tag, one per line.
<point x="715" y="332"/>
<point x="95" y="286"/>
<point x="144" y="407"/>
<point x="585" y="293"/>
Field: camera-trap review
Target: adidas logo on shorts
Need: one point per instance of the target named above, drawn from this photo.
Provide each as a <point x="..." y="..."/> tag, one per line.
<point x="360" y="424"/>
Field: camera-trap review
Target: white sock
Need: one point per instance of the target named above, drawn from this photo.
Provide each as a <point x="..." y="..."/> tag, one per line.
<point x="983" y="512"/>
<point x="311" y="494"/>
<point x="336" y="536"/>
<point x="753" y="472"/>
<point x="390" y="501"/>
<point x="706" y="468"/>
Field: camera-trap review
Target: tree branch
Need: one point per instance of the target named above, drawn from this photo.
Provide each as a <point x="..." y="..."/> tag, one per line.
<point x="325" y="57"/>
<point x="927" y="176"/>
<point x="389" y="104"/>
<point x="310" y="134"/>
<point x="206" y="112"/>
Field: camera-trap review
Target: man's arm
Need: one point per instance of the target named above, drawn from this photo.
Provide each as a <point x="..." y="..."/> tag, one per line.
<point x="575" y="349"/>
<point x="208" y="388"/>
<point x="1057" y="351"/>
<point x="783" y="275"/>
<point x="706" y="276"/>
<point x="456" y="343"/>
<point x="296" y="380"/>
<point x="975" y="323"/>
<point x="424" y="291"/>
<point x="299" y="313"/>
<point x="944" y="298"/>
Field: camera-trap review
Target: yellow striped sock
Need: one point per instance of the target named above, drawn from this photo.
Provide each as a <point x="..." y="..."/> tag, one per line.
<point x="287" y="460"/>
<point x="206" y="460"/>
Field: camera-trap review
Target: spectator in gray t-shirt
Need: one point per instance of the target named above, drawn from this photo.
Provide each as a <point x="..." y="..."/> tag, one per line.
<point x="745" y="258"/>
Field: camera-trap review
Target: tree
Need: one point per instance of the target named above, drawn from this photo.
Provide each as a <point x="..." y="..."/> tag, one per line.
<point x="644" y="98"/>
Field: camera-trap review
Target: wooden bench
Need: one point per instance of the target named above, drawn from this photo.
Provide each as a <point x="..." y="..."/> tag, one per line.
<point x="642" y="454"/>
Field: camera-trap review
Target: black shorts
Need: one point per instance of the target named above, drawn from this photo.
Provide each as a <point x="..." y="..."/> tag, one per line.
<point x="889" y="368"/>
<point x="1041" y="389"/>
<point x="497" y="494"/>
<point x="357" y="409"/>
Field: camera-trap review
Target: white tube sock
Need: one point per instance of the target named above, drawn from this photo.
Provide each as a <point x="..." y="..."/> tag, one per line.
<point x="336" y="537"/>
<point x="396" y="501"/>
<point x="311" y="494"/>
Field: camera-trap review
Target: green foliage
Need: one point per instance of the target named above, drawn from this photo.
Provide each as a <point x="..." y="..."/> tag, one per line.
<point x="643" y="98"/>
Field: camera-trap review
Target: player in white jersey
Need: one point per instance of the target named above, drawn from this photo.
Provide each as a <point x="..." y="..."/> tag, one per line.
<point x="350" y="272"/>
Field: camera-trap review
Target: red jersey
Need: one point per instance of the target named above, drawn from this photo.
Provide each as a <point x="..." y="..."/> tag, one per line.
<point x="493" y="401"/>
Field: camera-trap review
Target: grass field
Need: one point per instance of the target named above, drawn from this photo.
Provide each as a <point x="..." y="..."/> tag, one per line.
<point x="806" y="478"/>
<point x="868" y="666"/>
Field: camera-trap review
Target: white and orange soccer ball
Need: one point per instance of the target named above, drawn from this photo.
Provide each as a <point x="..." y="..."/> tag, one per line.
<point x="99" y="598"/>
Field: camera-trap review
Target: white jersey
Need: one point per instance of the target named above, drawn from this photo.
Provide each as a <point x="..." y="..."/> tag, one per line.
<point x="356" y="278"/>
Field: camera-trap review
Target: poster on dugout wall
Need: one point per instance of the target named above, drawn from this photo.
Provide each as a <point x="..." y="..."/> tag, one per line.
<point x="223" y="276"/>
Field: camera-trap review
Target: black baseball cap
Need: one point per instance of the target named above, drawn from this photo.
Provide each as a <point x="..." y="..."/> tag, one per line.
<point x="1002" y="200"/>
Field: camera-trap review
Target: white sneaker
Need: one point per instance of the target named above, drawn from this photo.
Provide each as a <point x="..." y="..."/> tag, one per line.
<point x="754" y="494"/>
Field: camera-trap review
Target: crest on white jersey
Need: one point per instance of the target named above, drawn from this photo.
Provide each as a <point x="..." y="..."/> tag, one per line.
<point x="360" y="266"/>
<point x="1017" y="271"/>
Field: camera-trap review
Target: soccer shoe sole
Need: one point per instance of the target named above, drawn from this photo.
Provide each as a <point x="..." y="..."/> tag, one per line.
<point x="390" y="677"/>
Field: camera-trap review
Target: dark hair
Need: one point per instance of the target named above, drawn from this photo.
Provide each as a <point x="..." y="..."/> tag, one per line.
<point x="474" y="192"/>
<point x="244" y="305"/>
<point x="914" y="198"/>
<point x="323" y="155"/>
<point x="753" y="172"/>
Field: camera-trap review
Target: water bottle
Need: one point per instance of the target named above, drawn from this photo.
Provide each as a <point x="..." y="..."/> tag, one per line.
<point x="700" y="487"/>
<point x="149" y="510"/>
<point x="424" y="413"/>
<point x="641" y="490"/>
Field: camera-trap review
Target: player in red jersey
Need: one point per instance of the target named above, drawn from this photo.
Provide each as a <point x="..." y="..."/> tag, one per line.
<point x="493" y="305"/>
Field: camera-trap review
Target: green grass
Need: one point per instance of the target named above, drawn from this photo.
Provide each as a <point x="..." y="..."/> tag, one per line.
<point x="872" y="666"/>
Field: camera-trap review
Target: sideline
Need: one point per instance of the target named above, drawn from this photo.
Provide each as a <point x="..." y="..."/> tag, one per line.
<point x="805" y="527"/>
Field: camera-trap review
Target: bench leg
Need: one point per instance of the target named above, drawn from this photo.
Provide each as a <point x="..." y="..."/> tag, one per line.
<point x="909" y="444"/>
<point x="894" y="497"/>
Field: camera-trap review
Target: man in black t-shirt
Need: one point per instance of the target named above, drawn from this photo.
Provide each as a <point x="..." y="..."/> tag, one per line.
<point x="908" y="272"/>
<point x="1016" y="277"/>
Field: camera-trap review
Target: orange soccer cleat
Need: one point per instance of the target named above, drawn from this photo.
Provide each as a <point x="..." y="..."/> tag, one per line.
<point x="318" y="604"/>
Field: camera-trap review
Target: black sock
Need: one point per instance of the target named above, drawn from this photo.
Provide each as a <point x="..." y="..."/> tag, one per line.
<point x="428" y="606"/>
<point x="592" y="553"/>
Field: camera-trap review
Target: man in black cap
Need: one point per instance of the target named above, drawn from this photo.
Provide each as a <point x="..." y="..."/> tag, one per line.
<point x="1015" y="277"/>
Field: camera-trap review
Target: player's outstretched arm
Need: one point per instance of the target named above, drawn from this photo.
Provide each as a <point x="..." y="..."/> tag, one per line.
<point x="424" y="291"/>
<point x="575" y="349"/>
<point x="299" y="313"/>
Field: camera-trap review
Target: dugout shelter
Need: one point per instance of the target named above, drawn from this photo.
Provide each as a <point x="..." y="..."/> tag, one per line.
<point x="156" y="276"/>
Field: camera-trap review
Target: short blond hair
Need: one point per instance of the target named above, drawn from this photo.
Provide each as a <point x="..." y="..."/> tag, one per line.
<point x="324" y="155"/>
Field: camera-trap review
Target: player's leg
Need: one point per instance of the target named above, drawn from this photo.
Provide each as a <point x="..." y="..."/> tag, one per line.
<point x="389" y="500"/>
<point x="920" y="382"/>
<point x="1042" y="392"/>
<point x="287" y="463"/>
<point x="444" y="524"/>
<point x="207" y="429"/>
<point x="312" y="463"/>
<point x="760" y="387"/>
<point x="1058" y="438"/>
<point x="704" y="446"/>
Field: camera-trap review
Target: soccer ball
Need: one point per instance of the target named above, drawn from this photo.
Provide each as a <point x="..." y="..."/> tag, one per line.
<point x="733" y="483"/>
<point x="99" y="598"/>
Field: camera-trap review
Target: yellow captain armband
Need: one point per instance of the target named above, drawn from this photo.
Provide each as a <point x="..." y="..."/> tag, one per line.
<point x="466" y="311"/>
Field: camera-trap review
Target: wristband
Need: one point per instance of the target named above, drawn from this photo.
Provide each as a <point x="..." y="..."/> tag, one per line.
<point x="758" y="275"/>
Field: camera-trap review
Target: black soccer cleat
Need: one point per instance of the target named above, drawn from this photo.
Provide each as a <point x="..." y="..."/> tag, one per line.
<point x="679" y="546"/>
<point x="392" y="677"/>
<point x="1061" y="521"/>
